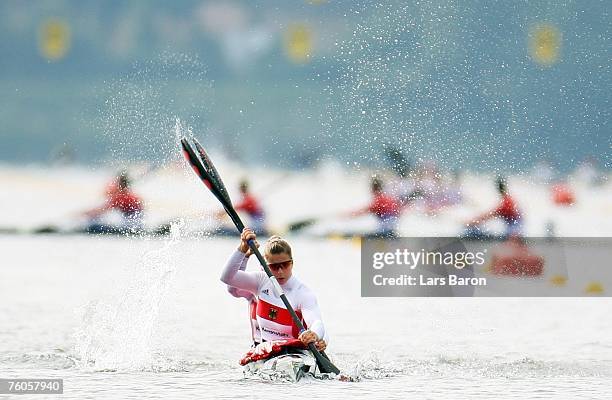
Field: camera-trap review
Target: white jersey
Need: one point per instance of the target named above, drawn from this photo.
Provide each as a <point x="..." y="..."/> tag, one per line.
<point x="274" y="320"/>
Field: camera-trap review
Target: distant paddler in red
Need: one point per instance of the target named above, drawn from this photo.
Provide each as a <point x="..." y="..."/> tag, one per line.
<point x="384" y="207"/>
<point x="120" y="197"/>
<point x="506" y="210"/>
<point x="249" y="205"/>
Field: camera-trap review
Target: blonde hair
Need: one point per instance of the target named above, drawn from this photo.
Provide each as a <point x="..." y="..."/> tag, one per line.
<point x="277" y="245"/>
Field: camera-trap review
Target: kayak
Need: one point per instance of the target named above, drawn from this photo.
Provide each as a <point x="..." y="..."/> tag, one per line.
<point x="281" y="360"/>
<point x="286" y="367"/>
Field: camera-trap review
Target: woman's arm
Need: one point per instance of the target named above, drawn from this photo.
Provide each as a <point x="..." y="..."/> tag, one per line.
<point x="233" y="276"/>
<point x="312" y="316"/>
<point x="234" y="291"/>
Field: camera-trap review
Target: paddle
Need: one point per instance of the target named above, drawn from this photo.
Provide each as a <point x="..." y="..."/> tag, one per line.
<point x="207" y="172"/>
<point x="299" y="225"/>
<point x="399" y="163"/>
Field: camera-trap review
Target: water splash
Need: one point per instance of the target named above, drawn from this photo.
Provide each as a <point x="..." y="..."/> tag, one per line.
<point x="140" y="108"/>
<point x="55" y="359"/>
<point x="180" y="131"/>
<point x="121" y="334"/>
<point x="370" y="366"/>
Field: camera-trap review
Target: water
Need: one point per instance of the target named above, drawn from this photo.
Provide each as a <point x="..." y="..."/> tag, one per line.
<point x="134" y="318"/>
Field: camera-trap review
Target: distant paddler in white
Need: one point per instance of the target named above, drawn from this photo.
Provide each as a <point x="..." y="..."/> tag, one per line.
<point x="272" y="318"/>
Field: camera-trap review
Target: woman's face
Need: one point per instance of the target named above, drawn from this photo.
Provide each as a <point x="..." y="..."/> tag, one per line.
<point x="281" y="266"/>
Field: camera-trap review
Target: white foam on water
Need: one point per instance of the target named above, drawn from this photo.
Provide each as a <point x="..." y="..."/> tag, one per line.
<point x="120" y="332"/>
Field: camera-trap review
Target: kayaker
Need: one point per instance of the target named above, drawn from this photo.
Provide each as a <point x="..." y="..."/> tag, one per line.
<point x="120" y="197"/>
<point x="249" y="205"/>
<point x="384" y="207"/>
<point x="252" y="207"/>
<point x="506" y="210"/>
<point x="273" y="318"/>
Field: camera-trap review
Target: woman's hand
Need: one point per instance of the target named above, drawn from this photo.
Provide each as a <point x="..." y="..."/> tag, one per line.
<point x="321" y="345"/>
<point x="246" y="235"/>
<point x="308" y="336"/>
<point x="311" y="337"/>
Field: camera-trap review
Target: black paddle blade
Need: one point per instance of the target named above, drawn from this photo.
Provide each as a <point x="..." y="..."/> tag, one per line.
<point x="203" y="173"/>
<point x="212" y="171"/>
<point x="195" y="163"/>
<point x="323" y="362"/>
<point x="209" y="175"/>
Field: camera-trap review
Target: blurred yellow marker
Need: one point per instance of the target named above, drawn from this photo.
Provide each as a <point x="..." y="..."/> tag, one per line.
<point x="488" y="269"/>
<point x="356" y="240"/>
<point x="335" y="236"/>
<point x="558" y="280"/>
<point x="594" y="288"/>
<point x="298" y="43"/>
<point x="54" y="39"/>
<point x="545" y="44"/>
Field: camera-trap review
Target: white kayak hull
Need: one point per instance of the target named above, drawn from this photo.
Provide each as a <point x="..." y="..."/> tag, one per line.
<point x="286" y="367"/>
